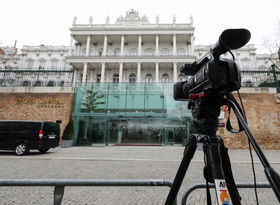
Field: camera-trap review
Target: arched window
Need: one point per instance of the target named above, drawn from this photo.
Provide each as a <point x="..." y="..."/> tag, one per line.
<point x="54" y="64"/>
<point x="181" y="77"/>
<point x="38" y="83"/>
<point x="248" y="83"/>
<point x="149" y="78"/>
<point x="133" y="52"/>
<point x="132" y="78"/>
<point x="115" y="78"/>
<point x="42" y="64"/>
<point x="149" y="52"/>
<point x="165" y="78"/>
<point x="98" y="78"/>
<point x="29" y="65"/>
<point x="50" y="84"/>
<point x="61" y="83"/>
<point x="25" y="83"/>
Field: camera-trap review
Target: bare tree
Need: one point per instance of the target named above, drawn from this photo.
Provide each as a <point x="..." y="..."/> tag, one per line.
<point x="272" y="44"/>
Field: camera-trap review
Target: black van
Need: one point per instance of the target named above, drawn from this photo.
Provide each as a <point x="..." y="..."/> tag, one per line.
<point x="21" y="136"/>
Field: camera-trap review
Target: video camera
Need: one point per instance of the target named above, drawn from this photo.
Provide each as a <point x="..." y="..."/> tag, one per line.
<point x="212" y="75"/>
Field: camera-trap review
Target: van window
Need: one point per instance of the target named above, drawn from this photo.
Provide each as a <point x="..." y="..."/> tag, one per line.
<point x="22" y="126"/>
<point x="8" y="126"/>
<point x="19" y="126"/>
<point x="51" y="128"/>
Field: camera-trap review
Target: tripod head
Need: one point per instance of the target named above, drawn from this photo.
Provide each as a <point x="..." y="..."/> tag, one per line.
<point x="205" y="111"/>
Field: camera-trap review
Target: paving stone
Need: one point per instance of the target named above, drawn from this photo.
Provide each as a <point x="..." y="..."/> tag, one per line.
<point x="121" y="163"/>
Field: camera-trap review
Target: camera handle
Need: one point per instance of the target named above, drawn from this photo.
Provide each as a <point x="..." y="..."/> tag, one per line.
<point x="272" y="176"/>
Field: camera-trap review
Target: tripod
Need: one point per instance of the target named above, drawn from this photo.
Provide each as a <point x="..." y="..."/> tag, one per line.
<point x="217" y="163"/>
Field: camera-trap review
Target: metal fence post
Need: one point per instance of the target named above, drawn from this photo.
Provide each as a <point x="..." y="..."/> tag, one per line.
<point x="58" y="194"/>
<point x="275" y="78"/>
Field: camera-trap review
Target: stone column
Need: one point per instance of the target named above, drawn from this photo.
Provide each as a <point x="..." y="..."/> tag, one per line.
<point x="252" y="60"/>
<point x="102" y="73"/>
<point x="157" y="73"/>
<point x="139" y="45"/>
<point x="122" y="45"/>
<point x="157" y="41"/>
<point x="174" y="44"/>
<point x="105" y="46"/>
<point x="78" y="49"/>
<point x="75" y="77"/>
<point x="88" y="45"/>
<point x="175" y="72"/>
<point x="192" y="41"/>
<point x="121" y="73"/>
<point x="139" y="72"/>
<point x="71" y="43"/>
<point x="188" y="50"/>
<point x="85" y="73"/>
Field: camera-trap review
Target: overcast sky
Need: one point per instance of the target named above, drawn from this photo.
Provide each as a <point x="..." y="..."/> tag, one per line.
<point x="35" y="22"/>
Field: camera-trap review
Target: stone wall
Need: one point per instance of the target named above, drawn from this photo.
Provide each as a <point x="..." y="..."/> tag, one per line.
<point x="36" y="107"/>
<point x="262" y="110"/>
<point x="263" y="116"/>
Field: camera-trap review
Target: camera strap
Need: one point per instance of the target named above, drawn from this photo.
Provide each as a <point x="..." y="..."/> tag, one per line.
<point x="228" y="124"/>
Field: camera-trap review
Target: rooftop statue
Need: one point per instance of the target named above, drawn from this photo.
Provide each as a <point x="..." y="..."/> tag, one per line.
<point x="90" y="19"/>
<point x="74" y="20"/>
<point x="132" y="17"/>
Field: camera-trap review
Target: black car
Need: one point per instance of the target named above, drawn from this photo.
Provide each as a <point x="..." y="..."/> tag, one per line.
<point x="22" y="136"/>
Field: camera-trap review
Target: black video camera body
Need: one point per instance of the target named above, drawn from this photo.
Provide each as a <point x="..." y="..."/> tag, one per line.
<point x="213" y="75"/>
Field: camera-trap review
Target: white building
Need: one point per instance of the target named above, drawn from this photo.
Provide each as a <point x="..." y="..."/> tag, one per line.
<point x="130" y="50"/>
<point x="36" y="66"/>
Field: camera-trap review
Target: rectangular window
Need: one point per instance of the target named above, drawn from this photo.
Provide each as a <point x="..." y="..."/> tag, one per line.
<point x="29" y="65"/>
<point x="53" y="65"/>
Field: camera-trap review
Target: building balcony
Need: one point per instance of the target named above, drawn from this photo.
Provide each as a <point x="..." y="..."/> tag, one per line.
<point x="129" y="58"/>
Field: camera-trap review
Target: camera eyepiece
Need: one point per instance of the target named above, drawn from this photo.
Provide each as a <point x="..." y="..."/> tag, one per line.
<point x="230" y="39"/>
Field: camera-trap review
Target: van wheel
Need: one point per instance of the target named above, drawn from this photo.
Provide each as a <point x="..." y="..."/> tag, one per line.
<point x="21" y="149"/>
<point x="43" y="150"/>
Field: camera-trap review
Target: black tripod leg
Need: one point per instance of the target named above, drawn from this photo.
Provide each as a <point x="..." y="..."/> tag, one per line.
<point x="214" y="158"/>
<point x="188" y="155"/>
<point x="232" y="188"/>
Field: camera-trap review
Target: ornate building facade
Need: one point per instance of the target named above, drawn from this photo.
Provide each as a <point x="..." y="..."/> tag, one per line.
<point x="130" y="50"/>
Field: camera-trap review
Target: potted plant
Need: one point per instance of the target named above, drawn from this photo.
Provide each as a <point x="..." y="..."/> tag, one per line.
<point x="68" y="134"/>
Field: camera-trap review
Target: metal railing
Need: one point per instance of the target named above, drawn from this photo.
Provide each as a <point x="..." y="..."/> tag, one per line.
<point x="59" y="184"/>
<point x="260" y="78"/>
<point x="238" y="184"/>
<point x="29" y="78"/>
